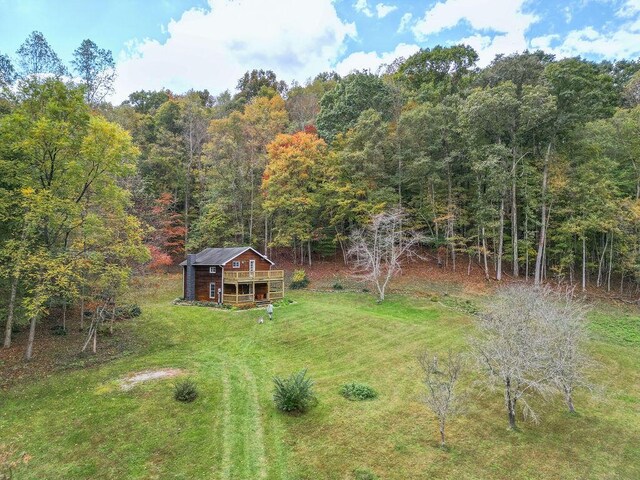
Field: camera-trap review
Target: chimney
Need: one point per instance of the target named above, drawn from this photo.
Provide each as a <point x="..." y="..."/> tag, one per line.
<point x="190" y="294"/>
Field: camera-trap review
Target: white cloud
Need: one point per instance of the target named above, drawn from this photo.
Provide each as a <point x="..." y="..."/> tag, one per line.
<point x="383" y="10"/>
<point x="212" y="48"/>
<point x="629" y="8"/>
<point x="500" y="25"/>
<point x="372" y="60"/>
<point x="404" y="22"/>
<point x="622" y="43"/>
<point x="362" y="6"/>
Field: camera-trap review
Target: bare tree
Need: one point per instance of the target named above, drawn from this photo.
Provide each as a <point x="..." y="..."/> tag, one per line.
<point x="440" y="380"/>
<point x="511" y="347"/>
<point x="377" y="250"/>
<point x="564" y="319"/>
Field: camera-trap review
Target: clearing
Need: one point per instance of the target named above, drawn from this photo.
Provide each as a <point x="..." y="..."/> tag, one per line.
<point x="78" y="423"/>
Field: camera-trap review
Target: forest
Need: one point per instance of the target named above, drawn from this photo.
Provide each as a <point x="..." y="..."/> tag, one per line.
<point x="526" y="168"/>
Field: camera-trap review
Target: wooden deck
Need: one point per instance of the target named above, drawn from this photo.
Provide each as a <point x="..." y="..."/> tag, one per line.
<point x="231" y="276"/>
<point x="244" y="287"/>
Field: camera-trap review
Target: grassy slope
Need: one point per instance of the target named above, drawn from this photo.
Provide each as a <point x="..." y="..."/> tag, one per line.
<point x="79" y="425"/>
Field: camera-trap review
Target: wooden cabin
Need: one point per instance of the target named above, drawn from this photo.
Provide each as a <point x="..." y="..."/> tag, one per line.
<point x="232" y="276"/>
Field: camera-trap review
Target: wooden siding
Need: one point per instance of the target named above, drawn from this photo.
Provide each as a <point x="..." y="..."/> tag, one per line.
<point x="243" y="258"/>
<point x="203" y="279"/>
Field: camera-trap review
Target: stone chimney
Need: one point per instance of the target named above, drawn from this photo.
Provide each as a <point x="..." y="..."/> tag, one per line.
<point x="190" y="294"/>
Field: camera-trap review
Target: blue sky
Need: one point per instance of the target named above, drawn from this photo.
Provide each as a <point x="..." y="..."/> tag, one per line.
<point x="181" y="44"/>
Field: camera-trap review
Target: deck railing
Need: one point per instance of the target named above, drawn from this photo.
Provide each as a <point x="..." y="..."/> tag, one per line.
<point x="242" y="298"/>
<point x="257" y="275"/>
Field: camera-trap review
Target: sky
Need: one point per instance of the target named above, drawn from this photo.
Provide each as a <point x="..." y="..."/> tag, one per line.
<point x="183" y="44"/>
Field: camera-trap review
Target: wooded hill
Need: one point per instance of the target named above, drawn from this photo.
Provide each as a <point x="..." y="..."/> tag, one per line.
<point x="527" y="167"/>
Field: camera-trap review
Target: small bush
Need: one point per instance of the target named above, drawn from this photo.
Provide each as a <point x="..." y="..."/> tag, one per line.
<point x="299" y="279"/>
<point x="337" y="286"/>
<point x="358" y="391"/>
<point x="58" y="330"/>
<point x="282" y="302"/>
<point x="128" y="311"/>
<point x="185" y="391"/>
<point x="294" y="394"/>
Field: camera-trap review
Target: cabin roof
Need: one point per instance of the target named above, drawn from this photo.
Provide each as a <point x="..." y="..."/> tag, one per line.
<point x="220" y="256"/>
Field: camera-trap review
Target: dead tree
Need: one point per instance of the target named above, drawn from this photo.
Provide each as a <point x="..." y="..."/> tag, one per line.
<point x="564" y="318"/>
<point x="440" y="380"/>
<point x="377" y="250"/>
<point x="511" y="347"/>
<point x="96" y="322"/>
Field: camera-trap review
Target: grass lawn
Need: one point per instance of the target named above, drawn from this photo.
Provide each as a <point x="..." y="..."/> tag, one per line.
<point x="79" y="424"/>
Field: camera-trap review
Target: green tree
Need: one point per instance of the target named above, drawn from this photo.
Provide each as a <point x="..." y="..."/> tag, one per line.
<point x="96" y="69"/>
<point x="341" y="107"/>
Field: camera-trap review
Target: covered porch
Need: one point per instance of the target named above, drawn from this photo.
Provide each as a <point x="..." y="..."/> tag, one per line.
<point x="246" y="287"/>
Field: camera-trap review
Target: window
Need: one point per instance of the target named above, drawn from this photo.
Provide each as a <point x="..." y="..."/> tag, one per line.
<point x="212" y="269"/>
<point x="236" y="264"/>
<point x="212" y="290"/>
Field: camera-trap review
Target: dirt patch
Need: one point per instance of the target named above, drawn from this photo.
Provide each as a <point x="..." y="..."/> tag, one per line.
<point x="135" y="378"/>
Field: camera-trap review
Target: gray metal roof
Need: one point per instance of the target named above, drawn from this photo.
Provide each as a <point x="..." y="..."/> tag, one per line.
<point x="220" y="256"/>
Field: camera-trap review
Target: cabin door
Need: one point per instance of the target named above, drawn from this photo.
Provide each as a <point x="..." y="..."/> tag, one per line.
<point x="252" y="267"/>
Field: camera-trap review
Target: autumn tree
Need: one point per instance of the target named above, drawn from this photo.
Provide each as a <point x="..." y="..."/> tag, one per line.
<point x="67" y="165"/>
<point x="294" y="185"/>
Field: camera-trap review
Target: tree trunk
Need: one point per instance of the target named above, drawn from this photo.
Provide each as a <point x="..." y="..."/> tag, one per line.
<point x="12" y="308"/>
<point x="113" y="318"/>
<point x="82" y="310"/>
<point x="584" y="262"/>
<point x="450" y="217"/>
<point x="266" y="236"/>
<point x="442" y="442"/>
<point x="512" y="415"/>
<point x="32" y="335"/>
<point x="514" y="219"/>
<point x="610" y="264"/>
<point x="569" y="399"/>
<point x="601" y="262"/>
<point x="500" y="242"/>
<point x="309" y="251"/>
<point x="543" y="218"/>
<point x="484" y="251"/>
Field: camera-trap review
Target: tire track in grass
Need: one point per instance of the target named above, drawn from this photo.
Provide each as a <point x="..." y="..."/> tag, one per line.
<point x="255" y="434"/>
<point x="225" y="467"/>
<point x="243" y="431"/>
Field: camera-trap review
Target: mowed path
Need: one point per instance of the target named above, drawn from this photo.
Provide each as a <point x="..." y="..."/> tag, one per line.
<point x="243" y="443"/>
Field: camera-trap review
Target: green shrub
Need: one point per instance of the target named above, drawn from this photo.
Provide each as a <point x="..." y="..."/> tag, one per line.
<point x="58" y="330"/>
<point x="282" y="302"/>
<point x="185" y="391"/>
<point x="337" y="286"/>
<point x="358" y="391"/>
<point x="128" y="311"/>
<point x="299" y="279"/>
<point x="294" y="394"/>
